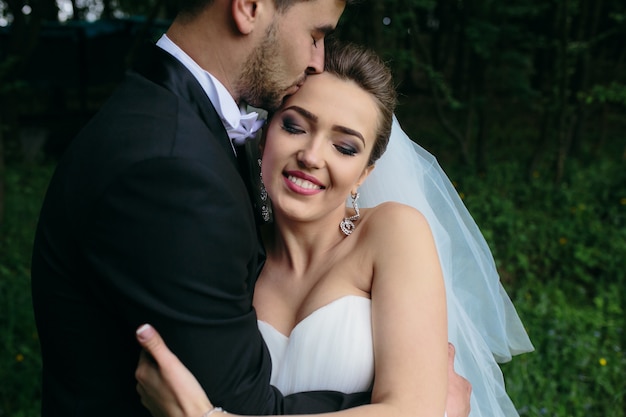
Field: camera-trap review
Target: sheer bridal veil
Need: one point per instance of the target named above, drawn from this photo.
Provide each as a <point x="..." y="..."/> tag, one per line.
<point x="482" y="322"/>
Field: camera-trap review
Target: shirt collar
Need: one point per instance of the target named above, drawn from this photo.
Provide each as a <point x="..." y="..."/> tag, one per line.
<point x="237" y="121"/>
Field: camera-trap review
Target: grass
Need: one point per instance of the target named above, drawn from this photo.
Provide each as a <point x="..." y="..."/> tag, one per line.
<point x="20" y="363"/>
<point x="579" y="363"/>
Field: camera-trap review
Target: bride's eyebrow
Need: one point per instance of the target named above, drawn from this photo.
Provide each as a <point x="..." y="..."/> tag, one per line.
<point x="304" y="113"/>
<point x="348" y="131"/>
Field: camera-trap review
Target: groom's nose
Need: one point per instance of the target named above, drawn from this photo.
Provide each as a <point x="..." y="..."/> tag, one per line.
<point x="316" y="64"/>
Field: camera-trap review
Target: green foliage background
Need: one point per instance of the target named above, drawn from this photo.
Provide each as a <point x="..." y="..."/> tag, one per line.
<point x="20" y="362"/>
<point x="561" y="251"/>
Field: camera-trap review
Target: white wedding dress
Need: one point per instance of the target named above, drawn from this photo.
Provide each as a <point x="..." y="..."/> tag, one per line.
<point x="332" y="348"/>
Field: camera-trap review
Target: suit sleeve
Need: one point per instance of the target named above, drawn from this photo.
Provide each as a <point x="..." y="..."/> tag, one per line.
<point x="173" y="243"/>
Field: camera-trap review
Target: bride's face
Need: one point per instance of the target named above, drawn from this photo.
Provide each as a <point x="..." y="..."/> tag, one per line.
<point x="317" y="147"/>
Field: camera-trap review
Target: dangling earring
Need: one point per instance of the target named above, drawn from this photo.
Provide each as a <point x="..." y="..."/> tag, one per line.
<point x="266" y="211"/>
<point x="347" y="224"/>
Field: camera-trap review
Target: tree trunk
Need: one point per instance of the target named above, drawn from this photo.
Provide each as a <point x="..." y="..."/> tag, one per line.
<point x="2" y="171"/>
<point x="107" y="9"/>
<point x="17" y="40"/>
<point x="46" y="10"/>
<point x="564" y="132"/>
<point x="587" y="31"/>
<point x="141" y="36"/>
<point x="460" y="68"/>
<point x="544" y="80"/>
<point x="77" y="12"/>
<point x="434" y="87"/>
<point x="542" y="144"/>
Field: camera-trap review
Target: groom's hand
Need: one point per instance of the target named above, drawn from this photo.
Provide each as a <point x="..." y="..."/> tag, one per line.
<point x="459" y="390"/>
<point x="166" y="386"/>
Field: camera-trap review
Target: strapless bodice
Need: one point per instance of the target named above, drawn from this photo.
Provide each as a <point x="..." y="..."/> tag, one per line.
<point x="330" y="349"/>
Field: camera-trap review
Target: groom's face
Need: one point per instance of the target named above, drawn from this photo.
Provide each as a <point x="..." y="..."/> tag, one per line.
<point x="293" y="47"/>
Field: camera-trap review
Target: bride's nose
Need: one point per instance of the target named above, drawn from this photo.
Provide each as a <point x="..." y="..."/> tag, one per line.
<point x="311" y="155"/>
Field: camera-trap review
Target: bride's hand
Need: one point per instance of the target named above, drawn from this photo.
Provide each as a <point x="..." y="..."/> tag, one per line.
<point x="166" y="386"/>
<point x="459" y="390"/>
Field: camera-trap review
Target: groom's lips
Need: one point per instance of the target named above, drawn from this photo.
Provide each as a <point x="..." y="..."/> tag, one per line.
<point x="295" y="87"/>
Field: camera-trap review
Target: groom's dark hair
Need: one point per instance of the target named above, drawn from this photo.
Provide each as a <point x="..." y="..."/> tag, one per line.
<point x="192" y="7"/>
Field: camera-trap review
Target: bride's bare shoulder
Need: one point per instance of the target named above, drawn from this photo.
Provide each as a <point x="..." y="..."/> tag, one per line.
<point x="392" y="217"/>
<point x="392" y="208"/>
<point x="390" y="227"/>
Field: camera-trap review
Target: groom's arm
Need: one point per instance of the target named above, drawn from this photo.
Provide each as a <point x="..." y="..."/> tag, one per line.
<point x="168" y="388"/>
<point x="171" y="239"/>
<point x="322" y="402"/>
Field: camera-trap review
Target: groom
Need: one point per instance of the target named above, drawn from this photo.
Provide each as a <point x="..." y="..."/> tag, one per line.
<point x="147" y="218"/>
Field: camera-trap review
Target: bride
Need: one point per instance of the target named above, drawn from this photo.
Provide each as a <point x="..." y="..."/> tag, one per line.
<point x="353" y="298"/>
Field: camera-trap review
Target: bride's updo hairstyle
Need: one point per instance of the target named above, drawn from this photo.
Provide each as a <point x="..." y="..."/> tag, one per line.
<point x="348" y="61"/>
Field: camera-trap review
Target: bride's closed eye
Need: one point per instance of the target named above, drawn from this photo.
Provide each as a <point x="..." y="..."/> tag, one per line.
<point x="347" y="149"/>
<point x="290" y="126"/>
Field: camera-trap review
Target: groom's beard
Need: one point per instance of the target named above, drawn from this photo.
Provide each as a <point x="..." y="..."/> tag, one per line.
<point x="263" y="83"/>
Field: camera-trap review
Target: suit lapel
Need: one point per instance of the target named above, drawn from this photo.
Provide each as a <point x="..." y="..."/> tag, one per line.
<point x="163" y="69"/>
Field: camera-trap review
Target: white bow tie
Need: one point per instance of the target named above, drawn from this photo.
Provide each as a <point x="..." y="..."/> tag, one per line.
<point x="249" y="124"/>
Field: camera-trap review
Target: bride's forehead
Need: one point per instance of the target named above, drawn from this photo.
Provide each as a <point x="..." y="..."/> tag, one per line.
<point x="324" y="81"/>
<point x="327" y="93"/>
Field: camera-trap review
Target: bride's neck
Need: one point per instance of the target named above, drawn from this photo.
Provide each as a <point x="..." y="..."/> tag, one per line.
<point x="301" y="245"/>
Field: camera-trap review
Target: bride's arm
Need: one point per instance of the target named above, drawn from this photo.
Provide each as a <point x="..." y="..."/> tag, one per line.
<point x="409" y="318"/>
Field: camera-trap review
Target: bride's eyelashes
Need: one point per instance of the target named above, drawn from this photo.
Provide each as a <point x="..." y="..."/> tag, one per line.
<point x="347" y="150"/>
<point x="290" y="126"/>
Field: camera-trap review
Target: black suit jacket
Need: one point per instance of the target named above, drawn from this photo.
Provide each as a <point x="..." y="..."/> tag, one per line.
<point x="147" y="219"/>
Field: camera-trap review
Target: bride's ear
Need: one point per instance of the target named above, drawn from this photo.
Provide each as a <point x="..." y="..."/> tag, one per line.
<point x="366" y="172"/>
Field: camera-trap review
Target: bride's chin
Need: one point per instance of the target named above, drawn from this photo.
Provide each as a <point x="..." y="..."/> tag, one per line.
<point x="286" y="211"/>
